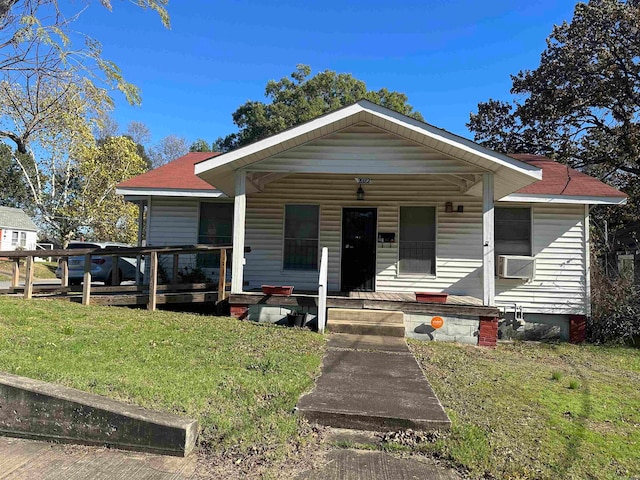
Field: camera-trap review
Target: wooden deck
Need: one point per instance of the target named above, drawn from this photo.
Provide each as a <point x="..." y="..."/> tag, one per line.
<point x="405" y="302"/>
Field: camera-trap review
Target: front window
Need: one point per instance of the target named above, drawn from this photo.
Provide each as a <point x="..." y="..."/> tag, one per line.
<point x="512" y="231"/>
<point x="417" y="252"/>
<point x="23" y="239"/>
<point x="215" y="228"/>
<point x="14" y="239"/>
<point x="301" y="237"/>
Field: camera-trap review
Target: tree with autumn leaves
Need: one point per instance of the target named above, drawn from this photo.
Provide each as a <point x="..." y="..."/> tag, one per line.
<point x="54" y="93"/>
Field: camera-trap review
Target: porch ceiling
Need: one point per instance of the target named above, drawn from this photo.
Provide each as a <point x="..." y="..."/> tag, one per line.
<point x="405" y="146"/>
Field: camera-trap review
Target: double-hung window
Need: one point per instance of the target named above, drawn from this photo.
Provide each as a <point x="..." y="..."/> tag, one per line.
<point x="14" y="239"/>
<point x="23" y="239"/>
<point x="417" y="252"/>
<point x="301" y="231"/>
<point x="512" y="231"/>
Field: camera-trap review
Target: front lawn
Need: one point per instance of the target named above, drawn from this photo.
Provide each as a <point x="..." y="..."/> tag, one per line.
<point x="528" y="410"/>
<point x="240" y="380"/>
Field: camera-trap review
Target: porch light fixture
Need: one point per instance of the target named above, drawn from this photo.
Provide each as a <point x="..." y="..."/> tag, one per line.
<point x="448" y="207"/>
<point x="360" y="193"/>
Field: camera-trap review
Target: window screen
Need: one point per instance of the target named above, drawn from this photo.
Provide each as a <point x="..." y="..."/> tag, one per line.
<point x="512" y="231"/>
<point x="417" y="253"/>
<point x="215" y="228"/>
<point x="301" y="237"/>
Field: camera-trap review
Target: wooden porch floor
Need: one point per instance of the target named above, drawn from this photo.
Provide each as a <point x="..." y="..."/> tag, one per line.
<point x="409" y="297"/>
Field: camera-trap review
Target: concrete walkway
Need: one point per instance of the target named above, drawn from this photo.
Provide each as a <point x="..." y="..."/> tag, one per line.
<point x="28" y="460"/>
<point x="372" y="383"/>
<point x="349" y="464"/>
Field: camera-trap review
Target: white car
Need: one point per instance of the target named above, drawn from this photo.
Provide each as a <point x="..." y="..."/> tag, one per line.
<point x="101" y="265"/>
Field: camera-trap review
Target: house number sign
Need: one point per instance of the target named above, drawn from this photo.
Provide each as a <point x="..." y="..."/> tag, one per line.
<point x="363" y="180"/>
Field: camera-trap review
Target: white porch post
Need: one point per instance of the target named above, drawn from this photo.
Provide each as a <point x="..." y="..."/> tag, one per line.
<point x="239" y="211"/>
<point x="488" y="244"/>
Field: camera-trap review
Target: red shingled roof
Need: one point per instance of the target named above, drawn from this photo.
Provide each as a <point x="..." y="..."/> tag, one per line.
<point x="559" y="179"/>
<point x="175" y="175"/>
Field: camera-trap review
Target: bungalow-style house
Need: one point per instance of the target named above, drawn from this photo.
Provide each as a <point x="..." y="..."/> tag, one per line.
<point x="17" y="230"/>
<point x="403" y="207"/>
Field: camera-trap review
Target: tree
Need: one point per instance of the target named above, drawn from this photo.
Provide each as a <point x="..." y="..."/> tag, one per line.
<point x="102" y="213"/>
<point x="138" y="132"/>
<point x="13" y="191"/>
<point x="168" y="149"/>
<point x="36" y="35"/>
<point x="301" y="98"/>
<point x="582" y="104"/>
<point x="53" y="94"/>
<point x="201" y="145"/>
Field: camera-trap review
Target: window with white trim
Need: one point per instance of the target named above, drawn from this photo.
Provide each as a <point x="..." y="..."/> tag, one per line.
<point x="512" y="231"/>
<point x="23" y="239"/>
<point x="301" y="232"/>
<point x="417" y="246"/>
<point x="14" y="239"/>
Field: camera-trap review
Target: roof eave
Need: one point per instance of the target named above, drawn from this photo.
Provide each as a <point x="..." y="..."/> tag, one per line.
<point x="168" y="192"/>
<point x="566" y="199"/>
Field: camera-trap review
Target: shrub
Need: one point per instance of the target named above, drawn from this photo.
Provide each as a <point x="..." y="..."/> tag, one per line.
<point x="615" y="312"/>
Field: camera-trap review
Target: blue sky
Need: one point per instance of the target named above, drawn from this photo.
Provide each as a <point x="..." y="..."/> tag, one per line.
<point x="445" y="55"/>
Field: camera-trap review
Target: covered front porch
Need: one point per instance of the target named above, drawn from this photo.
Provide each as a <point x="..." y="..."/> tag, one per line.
<point x="400" y="205"/>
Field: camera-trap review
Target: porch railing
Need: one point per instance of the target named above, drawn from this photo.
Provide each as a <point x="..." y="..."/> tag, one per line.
<point x="116" y="253"/>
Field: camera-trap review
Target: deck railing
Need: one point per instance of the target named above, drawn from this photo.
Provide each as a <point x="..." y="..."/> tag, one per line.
<point x="116" y="253"/>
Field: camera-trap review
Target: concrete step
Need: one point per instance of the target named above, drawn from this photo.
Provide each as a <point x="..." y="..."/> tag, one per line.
<point x="354" y="315"/>
<point x="363" y="328"/>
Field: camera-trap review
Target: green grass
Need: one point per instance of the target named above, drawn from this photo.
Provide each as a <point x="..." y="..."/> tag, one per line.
<point x="513" y="415"/>
<point x="43" y="270"/>
<point x="240" y="380"/>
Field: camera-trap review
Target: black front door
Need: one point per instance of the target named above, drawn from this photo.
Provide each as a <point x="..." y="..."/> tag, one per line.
<point x="358" y="248"/>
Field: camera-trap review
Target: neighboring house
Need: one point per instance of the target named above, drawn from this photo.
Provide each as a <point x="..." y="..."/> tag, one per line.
<point x="17" y="230"/>
<point x="402" y="207"/>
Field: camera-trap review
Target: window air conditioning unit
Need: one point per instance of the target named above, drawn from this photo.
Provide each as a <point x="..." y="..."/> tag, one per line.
<point x="512" y="266"/>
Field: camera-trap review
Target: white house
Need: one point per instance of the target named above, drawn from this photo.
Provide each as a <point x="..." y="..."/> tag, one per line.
<point x="17" y="230"/>
<point x="402" y="207"/>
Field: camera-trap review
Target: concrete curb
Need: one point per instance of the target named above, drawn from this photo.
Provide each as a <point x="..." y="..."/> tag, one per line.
<point x="44" y="411"/>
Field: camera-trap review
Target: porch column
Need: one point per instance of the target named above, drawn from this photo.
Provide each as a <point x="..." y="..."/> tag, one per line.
<point x="239" y="211"/>
<point x="488" y="244"/>
<point x="139" y="244"/>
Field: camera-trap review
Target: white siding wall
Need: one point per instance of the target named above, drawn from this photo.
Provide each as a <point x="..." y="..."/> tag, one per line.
<point x="558" y="238"/>
<point x="174" y="222"/>
<point x="363" y="148"/>
<point x="558" y="245"/>
<point x="459" y="238"/>
<point x="6" y="235"/>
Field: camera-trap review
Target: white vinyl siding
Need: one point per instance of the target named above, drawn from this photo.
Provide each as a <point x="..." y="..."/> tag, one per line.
<point x="13" y="239"/>
<point x="559" y="285"/>
<point x="459" y="235"/>
<point x="363" y="148"/>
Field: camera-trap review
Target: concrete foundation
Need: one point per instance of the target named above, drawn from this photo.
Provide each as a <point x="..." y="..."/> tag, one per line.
<point x="278" y="314"/>
<point x="449" y="329"/>
<point x="535" y="327"/>
<point x="44" y="411"/>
